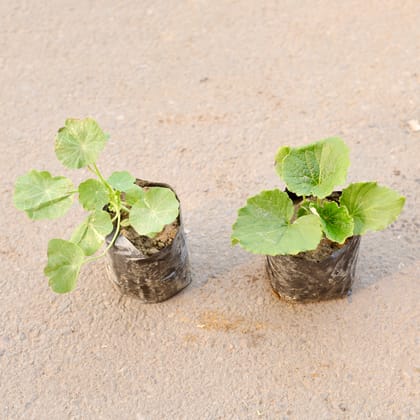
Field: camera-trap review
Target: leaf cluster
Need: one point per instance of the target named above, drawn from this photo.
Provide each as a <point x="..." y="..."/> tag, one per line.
<point x="43" y="196"/>
<point x="272" y="224"/>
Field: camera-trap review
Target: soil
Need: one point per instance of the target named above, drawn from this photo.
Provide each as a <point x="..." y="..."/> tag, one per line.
<point x="150" y="246"/>
<point x="324" y="250"/>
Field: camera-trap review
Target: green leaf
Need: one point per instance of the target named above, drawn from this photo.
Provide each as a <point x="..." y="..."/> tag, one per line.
<point x="133" y="194"/>
<point x="158" y="208"/>
<point x="371" y="206"/>
<point x="303" y="235"/>
<point x="281" y="154"/>
<point x="93" y="194"/>
<point x="315" y="169"/>
<point x="64" y="262"/>
<point x="336" y="222"/>
<point x="90" y="235"/>
<point x="43" y="196"/>
<point x="121" y="181"/>
<point x="79" y="143"/>
<point x="263" y="226"/>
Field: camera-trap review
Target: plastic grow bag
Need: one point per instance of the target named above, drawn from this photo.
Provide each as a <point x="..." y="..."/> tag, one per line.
<point x="151" y="279"/>
<point x="294" y="277"/>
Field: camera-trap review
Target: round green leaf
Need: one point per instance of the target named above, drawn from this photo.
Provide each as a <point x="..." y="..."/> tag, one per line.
<point x="133" y="194"/>
<point x="371" y="206"/>
<point x="64" y="262"/>
<point x="315" y="169"/>
<point x="303" y="235"/>
<point x="90" y="235"/>
<point x="336" y="222"/>
<point x="43" y="196"/>
<point x="263" y="226"/>
<point x="93" y="195"/>
<point x="79" y="143"/>
<point x="158" y="208"/>
<point x="121" y="181"/>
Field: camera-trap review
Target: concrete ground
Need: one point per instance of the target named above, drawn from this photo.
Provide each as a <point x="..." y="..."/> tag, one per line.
<point x="201" y="94"/>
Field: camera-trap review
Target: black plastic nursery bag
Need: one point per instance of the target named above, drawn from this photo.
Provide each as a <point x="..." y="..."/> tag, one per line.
<point x="297" y="278"/>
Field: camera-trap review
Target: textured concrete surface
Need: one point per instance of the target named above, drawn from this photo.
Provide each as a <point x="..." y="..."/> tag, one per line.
<point x="200" y="94"/>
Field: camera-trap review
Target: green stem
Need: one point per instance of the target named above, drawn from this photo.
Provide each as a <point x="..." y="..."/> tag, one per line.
<point x="114" y="197"/>
<point x="116" y="202"/>
<point x="98" y="172"/>
<point x="95" y="170"/>
<point x="123" y="207"/>
<point x="117" y="231"/>
<point x="90" y="169"/>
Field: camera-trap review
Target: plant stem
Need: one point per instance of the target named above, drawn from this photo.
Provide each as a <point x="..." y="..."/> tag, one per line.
<point x="98" y="172"/>
<point x="90" y="169"/>
<point x="114" y="197"/>
<point x="115" y="201"/>
<point x="117" y="231"/>
<point x="123" y="207"/>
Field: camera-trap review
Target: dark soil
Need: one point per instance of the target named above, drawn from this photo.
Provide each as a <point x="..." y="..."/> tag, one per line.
<point x="324" y="250"/>
<point x="150" y="246"/>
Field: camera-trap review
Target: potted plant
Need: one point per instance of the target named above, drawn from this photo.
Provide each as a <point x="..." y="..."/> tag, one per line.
<point x="139" y="221"/>
<point x="311" y="233"/>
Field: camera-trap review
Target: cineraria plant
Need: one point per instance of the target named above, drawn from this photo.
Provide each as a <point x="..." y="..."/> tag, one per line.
<point x="271" y="224"/>
<point x="113" y="202"/>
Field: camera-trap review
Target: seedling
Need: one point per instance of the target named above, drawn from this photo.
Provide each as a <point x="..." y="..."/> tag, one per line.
<point x="271" y="224"/>
<point x="111" y="203"/>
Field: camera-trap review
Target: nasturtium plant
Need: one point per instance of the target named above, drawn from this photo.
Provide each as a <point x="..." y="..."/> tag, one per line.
<point x="272" y="224"/>
<point x="113" y="202"/>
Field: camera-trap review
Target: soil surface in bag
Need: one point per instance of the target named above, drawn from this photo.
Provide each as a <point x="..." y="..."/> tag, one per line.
<point x="150" y="246"/>
<point x="325" y="273"/>
<point x="151" y="269"/>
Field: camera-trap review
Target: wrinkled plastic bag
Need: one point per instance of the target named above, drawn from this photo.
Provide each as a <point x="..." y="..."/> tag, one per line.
<point x="151" y="279"/>
<point x="299" y="279"/>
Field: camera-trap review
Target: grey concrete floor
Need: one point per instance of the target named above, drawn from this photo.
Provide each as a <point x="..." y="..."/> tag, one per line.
<point x="201" y="94"/>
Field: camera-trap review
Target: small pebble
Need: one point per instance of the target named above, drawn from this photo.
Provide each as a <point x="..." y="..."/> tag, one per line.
<point x="414" y="125"/>
<point x="342" y="407"/>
